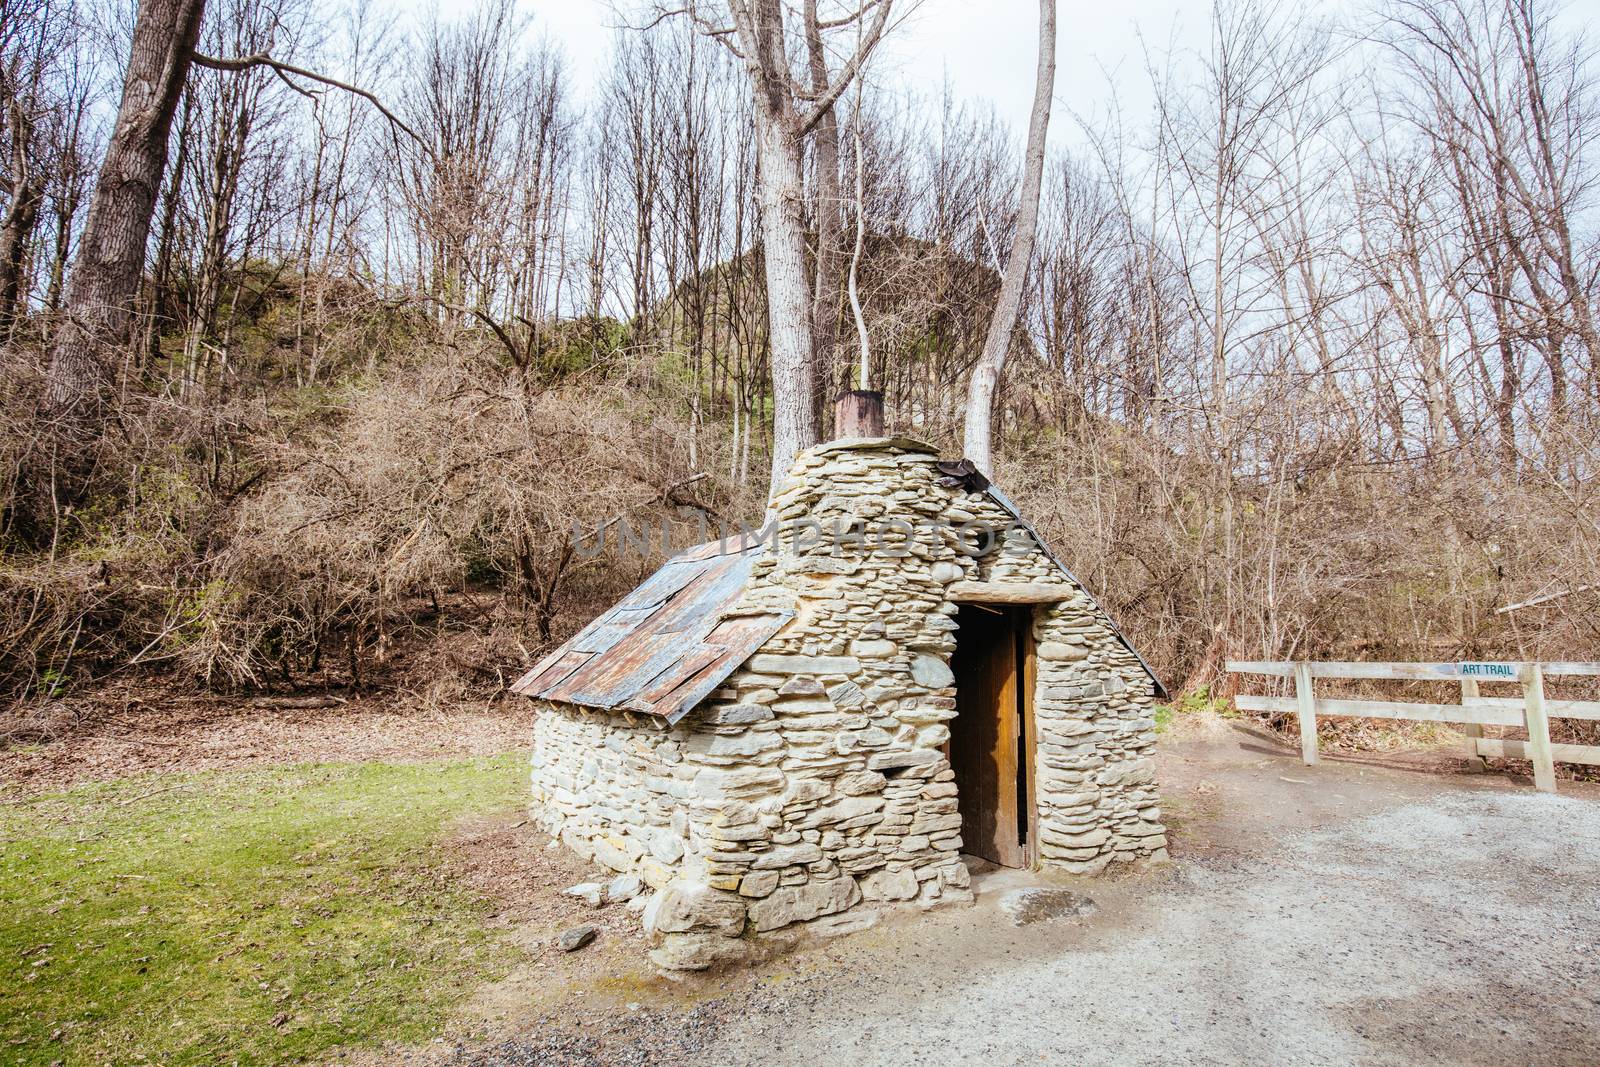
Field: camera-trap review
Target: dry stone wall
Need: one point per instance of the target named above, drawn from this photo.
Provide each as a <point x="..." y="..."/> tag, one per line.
<point x="812" y="787"/>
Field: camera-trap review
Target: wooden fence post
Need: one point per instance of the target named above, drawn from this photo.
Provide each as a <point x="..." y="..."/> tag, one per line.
<point x="1308" y="713"/>
<point x="1473" y="730"/>
<point x="1544" y="768"/>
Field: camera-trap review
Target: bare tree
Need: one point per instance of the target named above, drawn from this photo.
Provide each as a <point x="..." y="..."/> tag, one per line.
<point x="1504" y="110"/>
<point x="787" y="110"/>
<point x="978" y="436"/>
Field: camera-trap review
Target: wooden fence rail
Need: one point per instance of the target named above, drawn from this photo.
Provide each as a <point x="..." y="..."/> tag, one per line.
<point x="1531" y="710"/>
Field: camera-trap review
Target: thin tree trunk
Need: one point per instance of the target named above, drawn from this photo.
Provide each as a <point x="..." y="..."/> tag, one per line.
<point x="825" y="163"/>
<point x="159" y="300"/>
<point x="15" y="234"/>
<point x="978" y="440"/>
<point x="794" y="421"/>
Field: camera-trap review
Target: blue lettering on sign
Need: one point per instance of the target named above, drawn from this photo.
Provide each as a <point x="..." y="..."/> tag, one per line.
<point x="1489" y="670"/>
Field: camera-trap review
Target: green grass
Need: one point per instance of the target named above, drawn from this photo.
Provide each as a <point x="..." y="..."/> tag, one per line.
<point x="1163" y="717"/>
<point x="255" y="917"/>
<point x="1190" y="704"/>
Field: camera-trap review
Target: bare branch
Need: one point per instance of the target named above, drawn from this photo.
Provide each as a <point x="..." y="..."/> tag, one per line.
<point x="863" y="52"/>
<point x="262" y="59"/>
<point x="845" y="20"/>
<point x="518" y="357"/>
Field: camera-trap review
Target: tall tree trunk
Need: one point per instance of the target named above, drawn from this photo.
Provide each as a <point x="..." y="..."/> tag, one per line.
<point x="781" y="126"/>
<point x="978" y="440"/>
<point x="104" y="284"/>
<point x="794" y="420"/>
<point x="825" y="163"/>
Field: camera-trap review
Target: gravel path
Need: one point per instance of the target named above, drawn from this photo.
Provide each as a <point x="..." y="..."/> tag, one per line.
<point x="1461" y="929"/>
<point x="1348" y="913"/>
<point x="1457" y="932"/>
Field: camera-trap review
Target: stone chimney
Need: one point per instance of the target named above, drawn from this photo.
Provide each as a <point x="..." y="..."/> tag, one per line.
<point x="858" y="414"/>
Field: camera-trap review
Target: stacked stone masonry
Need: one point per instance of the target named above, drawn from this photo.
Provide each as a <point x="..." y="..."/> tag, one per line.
<point x="812" y="787"/>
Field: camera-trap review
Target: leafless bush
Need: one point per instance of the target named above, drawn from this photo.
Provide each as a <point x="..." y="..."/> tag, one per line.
<point x="87" y="572"/>
<point x="445" y="488"/>
<point x="428" y="484"/>
<point x="1341" y="563"/>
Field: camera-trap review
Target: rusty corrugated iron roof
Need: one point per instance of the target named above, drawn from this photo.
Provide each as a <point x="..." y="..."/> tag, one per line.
<point x="665" y="646"/>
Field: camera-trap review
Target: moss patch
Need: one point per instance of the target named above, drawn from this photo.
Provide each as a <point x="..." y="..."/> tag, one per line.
<point x="254" y="917"/>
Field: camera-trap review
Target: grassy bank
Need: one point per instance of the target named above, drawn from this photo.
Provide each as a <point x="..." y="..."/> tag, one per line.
<point x="255" y="917"/>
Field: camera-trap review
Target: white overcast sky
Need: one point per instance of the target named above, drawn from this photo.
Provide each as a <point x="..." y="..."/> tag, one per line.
<point x="985" y="47"/>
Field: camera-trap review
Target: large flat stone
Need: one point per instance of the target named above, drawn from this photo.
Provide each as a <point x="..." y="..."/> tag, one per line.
<point x="775" y="664"/>
<point x="716" y="783"/>
<point x="780" y="856"/>
<point x="1010" y="592"/>
<point x="861" y="783"/>
<point x="797" y="903"/>
<point x="1061" y="652"/>
<point x="696" y="951"/>
<point x="748" y="743"/>
<point x="684" y="905"/>
<point x="758" y="883"/>
<point x="890" y="885"/>
<point x="736" y="714"/>
<point x="1129" y="773"/>
<point x="901" y="758"/>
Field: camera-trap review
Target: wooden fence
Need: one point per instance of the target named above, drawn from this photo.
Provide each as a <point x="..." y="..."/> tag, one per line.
<point x="1530" y="709"/>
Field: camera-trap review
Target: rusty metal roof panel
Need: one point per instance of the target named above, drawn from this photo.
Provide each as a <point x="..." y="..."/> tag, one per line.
<point x="737" y="637"/>
<point x="553" y="669"/>
<point x="664" y="647"/>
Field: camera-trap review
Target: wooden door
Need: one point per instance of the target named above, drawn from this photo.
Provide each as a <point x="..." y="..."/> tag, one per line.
<point x="989" y="737"/>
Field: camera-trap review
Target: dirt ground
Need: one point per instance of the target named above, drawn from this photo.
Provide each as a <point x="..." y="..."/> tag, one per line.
<point x="1346" y="913"/>
<point x="136" y="730"/>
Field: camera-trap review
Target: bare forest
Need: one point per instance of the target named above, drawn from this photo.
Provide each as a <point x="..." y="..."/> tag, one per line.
<point x="1306" y="360"/>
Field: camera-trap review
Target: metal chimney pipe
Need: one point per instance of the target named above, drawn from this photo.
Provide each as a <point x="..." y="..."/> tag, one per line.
<point x="857" y="414"/>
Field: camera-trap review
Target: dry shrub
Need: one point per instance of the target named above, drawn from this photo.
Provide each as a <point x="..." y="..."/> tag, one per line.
<point x="1332" y="562"/>
<point x="87" y="578"/>
<point x="241" y="545"/>
<point x="435" y="482"/>
<point x="1344" y="563"/>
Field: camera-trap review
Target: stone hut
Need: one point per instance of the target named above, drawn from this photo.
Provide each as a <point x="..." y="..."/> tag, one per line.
<point x="784" y="735"/>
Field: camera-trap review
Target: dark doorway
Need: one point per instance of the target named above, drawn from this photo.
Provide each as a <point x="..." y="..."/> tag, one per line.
<point x="991" y="736"/>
